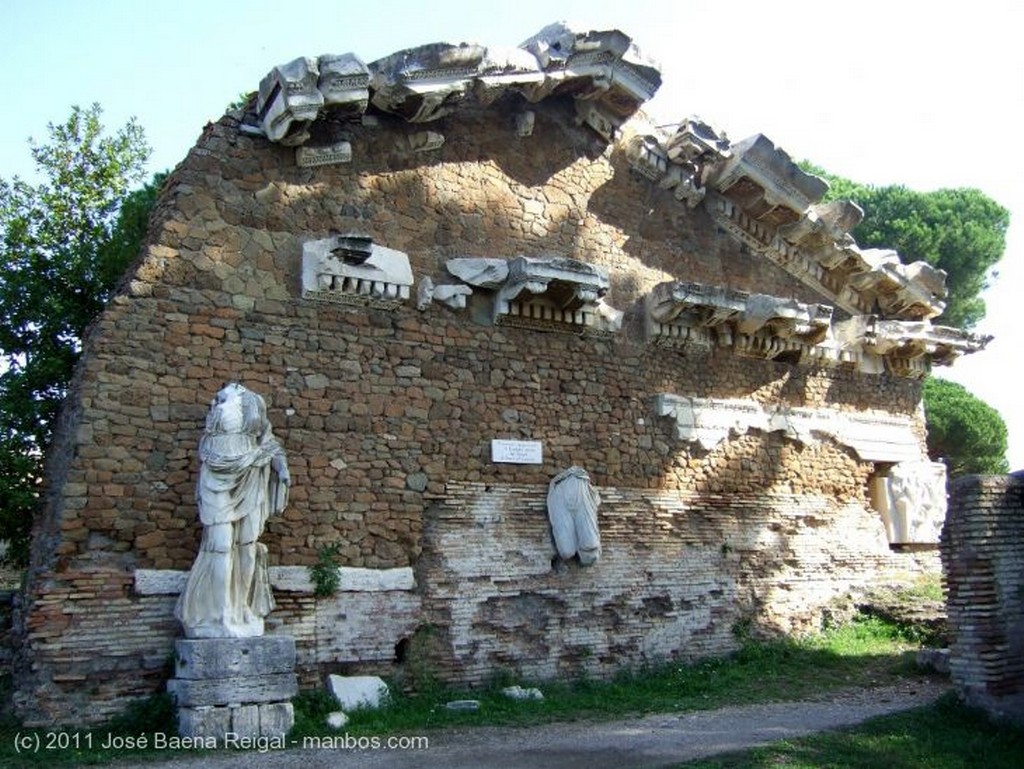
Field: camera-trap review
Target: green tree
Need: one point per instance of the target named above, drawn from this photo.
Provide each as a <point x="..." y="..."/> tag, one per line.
<point x="963" y="430"/>
<point x="961" y="231"/>
<point x="66" y="242"/>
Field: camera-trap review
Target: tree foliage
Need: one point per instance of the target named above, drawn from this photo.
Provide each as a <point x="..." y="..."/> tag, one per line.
<point x="66" y="242"/>
<point x="961" y="231"/>
<point x="963" y="430"/>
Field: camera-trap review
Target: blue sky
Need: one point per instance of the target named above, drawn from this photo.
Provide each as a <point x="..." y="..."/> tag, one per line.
<point x="927" y="95"/>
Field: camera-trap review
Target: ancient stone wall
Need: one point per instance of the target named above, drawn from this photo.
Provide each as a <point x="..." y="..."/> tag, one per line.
<point x="983" y="567"/>
<point x="682" y="575"/>
<point x="387" y="416"/>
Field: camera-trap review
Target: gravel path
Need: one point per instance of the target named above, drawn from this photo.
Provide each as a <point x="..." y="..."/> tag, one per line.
<point x="651" y="741"/>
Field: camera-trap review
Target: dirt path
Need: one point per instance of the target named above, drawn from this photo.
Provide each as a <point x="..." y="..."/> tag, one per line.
<point x="651" y="741"/>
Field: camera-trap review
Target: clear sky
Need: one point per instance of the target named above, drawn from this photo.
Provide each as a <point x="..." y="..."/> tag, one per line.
<point x="926" y="94"/>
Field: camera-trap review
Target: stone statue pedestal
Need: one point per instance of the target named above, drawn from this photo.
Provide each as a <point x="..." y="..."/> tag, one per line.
<point x="238" y="686"/>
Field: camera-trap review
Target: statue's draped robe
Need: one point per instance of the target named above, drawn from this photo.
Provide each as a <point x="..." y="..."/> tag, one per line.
<point x="572" y="511"/>
<point x="238" y="490"/>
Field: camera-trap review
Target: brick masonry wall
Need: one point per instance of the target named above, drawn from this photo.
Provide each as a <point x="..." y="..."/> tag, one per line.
<point x="387" y="417"/>
<point x="983" y="566"/>
<point x="680" y="573"/>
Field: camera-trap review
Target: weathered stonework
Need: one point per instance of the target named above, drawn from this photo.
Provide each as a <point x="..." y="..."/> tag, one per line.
<point x="389" y="401"/>
<point x="983" y="568"/>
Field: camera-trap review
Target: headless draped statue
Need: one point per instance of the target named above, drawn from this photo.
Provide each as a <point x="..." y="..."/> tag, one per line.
<point x="243" y="480"/>
<point x="572" y="512"/>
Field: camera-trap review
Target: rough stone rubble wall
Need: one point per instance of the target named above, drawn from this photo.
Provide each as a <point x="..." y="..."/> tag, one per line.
<point x="983" y="565"/>
<point x="387" y="416"/>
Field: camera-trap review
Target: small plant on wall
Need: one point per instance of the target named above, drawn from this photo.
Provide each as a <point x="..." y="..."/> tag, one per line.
<point x="324" y="573"/>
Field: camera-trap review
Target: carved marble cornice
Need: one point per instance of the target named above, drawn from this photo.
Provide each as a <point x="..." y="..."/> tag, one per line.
<point x="603" y="71"/>
<point x="754" y="191"/>
<point x="352" y="269"/>
<point x="763" y="180"/>
<point x="289" y="100"/>
<point x="752" y="188"/>
<point x="909" y="348"/>
<point x="710" y="421"/>
<point x="683" y="314"/>
<point x="547" y="293"/>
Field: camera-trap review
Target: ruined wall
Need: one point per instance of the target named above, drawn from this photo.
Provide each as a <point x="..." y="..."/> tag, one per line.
<point x="983" y="567"/>
<point x="681" y="576"/>
<point x="387" y="417"/>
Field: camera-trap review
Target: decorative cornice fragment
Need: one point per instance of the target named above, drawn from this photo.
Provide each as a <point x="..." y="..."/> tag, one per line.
<point x="909" y="347"/>
<point x="757" y="193"/>
<point x="683" y="314"/>
<point x="766" y="183"/>
<point x="752" y="189"/>
<point x="710" y="421"/>
<point x="289" y="100"/>
<point x="602" y="70"/>
<point x="308" y="156"/>
<point x="352" y="269"/>
<point x="549" y="293"/>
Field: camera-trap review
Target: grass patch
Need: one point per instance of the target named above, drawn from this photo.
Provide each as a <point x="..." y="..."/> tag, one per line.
<point x="21" y="747"/>
<point x="946" y="735"/>
<point x="927" y="587"/>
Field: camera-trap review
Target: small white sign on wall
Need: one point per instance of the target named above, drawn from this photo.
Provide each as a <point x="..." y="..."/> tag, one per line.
<point x="517" y="452"/>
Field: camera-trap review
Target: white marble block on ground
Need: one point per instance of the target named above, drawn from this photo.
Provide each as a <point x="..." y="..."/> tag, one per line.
<point x="358" y="691"/>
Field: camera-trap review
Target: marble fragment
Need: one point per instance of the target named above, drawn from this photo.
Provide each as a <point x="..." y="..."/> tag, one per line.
<point x="479" y="272"/>
<point x="912" y="500"/>
<point x="289" y="100"/>
<point x="572" y="512"/>
<point x="353" y="692"/>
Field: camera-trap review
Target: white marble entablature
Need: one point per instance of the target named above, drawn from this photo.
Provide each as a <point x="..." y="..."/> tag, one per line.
<point x="911" y="498"/>
<point x="555" y="290"/>
<point x="752" y="324"/>
<point x="824" y="226"/>
<point x="310" y="156"/>
<point x="481" y="272"/>
<point x="681" y="303"/>
<point x="425" y="83"/>
<point x="751" y="188"/>
<point x="859" y="281"/>
<point x="908" y="340"/>
<point x="344" y="82"/>
<point x="903" y="291"/>
<point x="554" y="293"/>
<point x="682" y="314"/>
<point x="352" y="269"/>
<point x="428" y="82"/>
<point x="758" y="194"/>
<point x="709" y="421"/>
<point x="766" y="182"/>
<point x="783" y="317"/>
<point x="453" y="295"/>
<point x="682" y="162"/>
<point x="289" y="100"/>
<point x="603" y="70"/>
